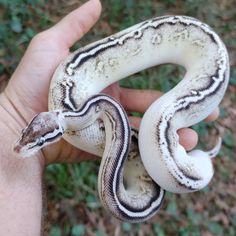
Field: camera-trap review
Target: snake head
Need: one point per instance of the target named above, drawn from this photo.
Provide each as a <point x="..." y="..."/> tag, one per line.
<point x="44" y="129"/>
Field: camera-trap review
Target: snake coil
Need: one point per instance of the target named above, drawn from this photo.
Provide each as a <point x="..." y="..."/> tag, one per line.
<point x="136" y="169"/>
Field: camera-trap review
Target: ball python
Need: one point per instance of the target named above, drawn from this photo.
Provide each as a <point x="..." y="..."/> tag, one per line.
<point x="135" y="171"/>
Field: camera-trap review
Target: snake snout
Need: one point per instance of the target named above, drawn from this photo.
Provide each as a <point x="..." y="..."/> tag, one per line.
<point x="21" y="151"/>
<point x="44" y="129"/>
<point x="17" y="148"/>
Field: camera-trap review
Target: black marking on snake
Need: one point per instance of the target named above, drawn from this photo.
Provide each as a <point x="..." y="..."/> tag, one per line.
<point x="63" y="95"/>
<point x="211" y="82"/>
<point x="187" y="186"/>
<point x="68" y="94"/>
<point x="165" y="134"/>
<point x="53" y="138"/>
<point x="86" y="50"/>
<point x="167" y="137"/>
<point x="119" y="173"/>
<point x="138" y="34"/>
<point x="119" y="152"/>
<point x="188" y="175"/>
<point x="142" y="209"/>
<point x="167" y="130"/>
<point x="138" y="210"/>
<point x="82" y="107"/>
<point x="84" y="59"/>
<point x="119" y="176"/>
<point x="177" y="20"/>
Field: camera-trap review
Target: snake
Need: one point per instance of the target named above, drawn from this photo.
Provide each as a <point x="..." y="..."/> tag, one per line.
<point x="137" y="167"/>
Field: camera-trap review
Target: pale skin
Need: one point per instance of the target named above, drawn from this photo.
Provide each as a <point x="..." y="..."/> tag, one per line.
<point x="25" y="96"/>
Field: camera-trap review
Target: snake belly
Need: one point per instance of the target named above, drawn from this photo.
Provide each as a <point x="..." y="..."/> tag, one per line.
<point x="169" y="39"/>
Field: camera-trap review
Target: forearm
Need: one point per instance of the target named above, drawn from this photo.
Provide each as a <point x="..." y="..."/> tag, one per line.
<point x="20" y="181"/>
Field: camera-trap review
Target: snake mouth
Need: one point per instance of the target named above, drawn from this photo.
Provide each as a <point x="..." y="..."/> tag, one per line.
<point x="25" y="151"/>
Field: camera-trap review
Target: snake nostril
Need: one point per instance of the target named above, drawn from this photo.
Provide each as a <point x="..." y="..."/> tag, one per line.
<point x="17" y="148"/>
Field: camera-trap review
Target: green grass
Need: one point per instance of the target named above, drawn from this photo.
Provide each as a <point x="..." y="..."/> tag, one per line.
<point x="73" y="206"/>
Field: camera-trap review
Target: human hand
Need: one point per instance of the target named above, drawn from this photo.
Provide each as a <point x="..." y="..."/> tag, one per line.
<point x="27" y="91"/>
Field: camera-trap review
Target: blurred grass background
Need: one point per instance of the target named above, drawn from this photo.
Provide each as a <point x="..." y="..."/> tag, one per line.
<point x="72" y="204"/>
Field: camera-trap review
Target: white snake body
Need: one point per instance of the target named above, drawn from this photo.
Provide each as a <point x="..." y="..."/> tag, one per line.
<point x="86" y="72"/>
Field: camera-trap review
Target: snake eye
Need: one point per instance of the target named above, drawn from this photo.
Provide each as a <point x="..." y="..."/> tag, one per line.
<point x="40" y="142"/>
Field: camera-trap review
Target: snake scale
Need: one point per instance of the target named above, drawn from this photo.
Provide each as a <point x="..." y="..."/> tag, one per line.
<point x="136" y="168"/>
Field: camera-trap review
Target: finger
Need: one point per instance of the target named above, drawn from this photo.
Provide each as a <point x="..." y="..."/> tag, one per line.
<point x="113" y="90"/>
<point x="138" y="100"/>
<point x="134" y="121"/>
<point x="73" y="26"/>
<point x="188" y="138"/>
<point x="214" y="115"/>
